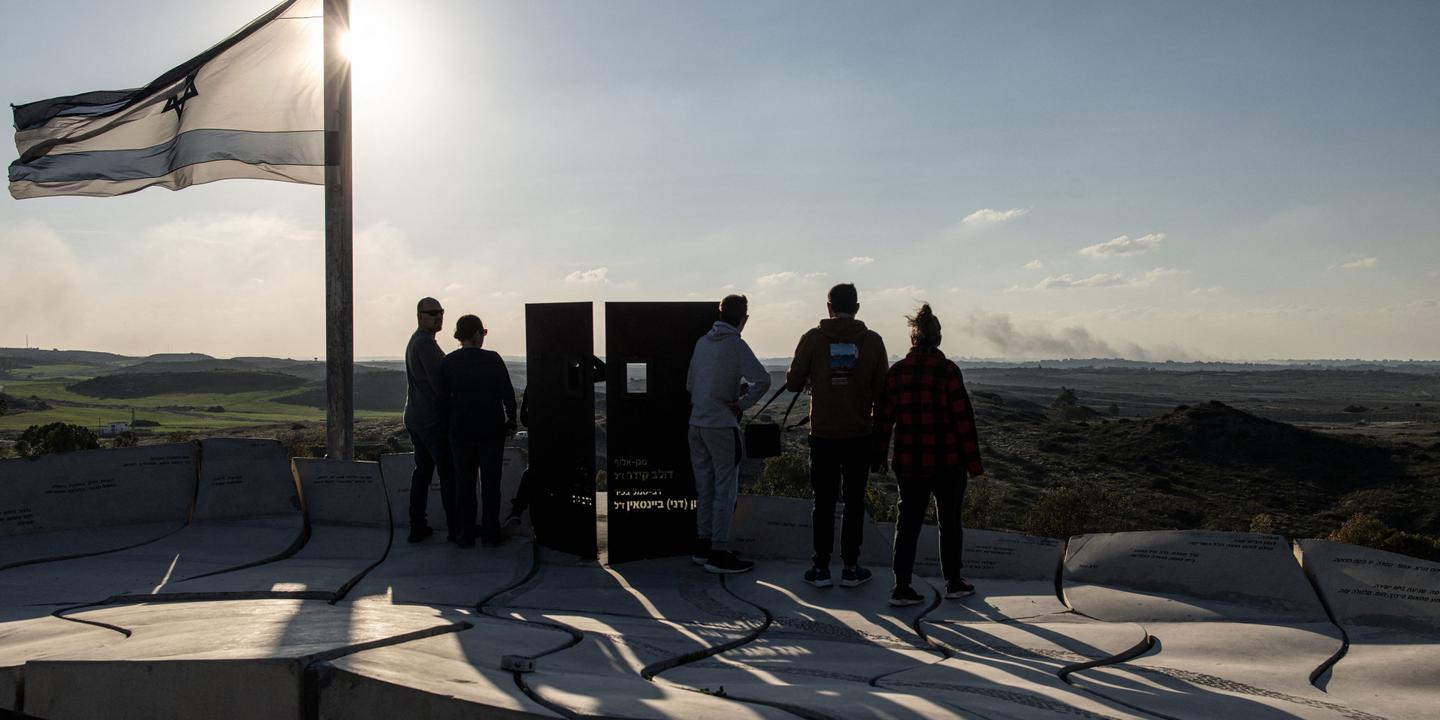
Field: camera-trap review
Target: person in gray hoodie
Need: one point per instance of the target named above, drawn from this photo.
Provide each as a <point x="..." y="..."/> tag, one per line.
<point x="718" y="397"/>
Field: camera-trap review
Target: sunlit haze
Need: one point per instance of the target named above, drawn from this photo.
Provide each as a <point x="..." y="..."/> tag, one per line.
<point x="1218" y="180"/>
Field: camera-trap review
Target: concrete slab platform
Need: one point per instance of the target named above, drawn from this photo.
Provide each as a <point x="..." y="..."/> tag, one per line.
<point x="212" y="660"/>
<point x="1004" y="687"/>
<point x="397" y="469"/>
<point x="32" y="634"/>
<point x="1187" y="575"/>
<point x="1387" y="672"/>
<point x="779" y="528"/>
<point x="446" y="677"/>
<point x="1009" y="642"/>
<point x="668" y="588"/>
<point x="603" y="676"/>
<point x="1220" y="669"/>
<point x="79" y="501"/>
<point x="247" y="513"/>
<point x="998" y="600"/>
<point x="349" y="535"/>
<point x="822" y="649"/>
<point x="1389" y="607"/>
<point x="438" y="573"/>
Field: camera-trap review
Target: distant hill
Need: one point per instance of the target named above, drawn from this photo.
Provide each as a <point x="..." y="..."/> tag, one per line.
<point x="378" y="390"/>
<point x="1206" y="466"/>
<point x="135" y="385"/>
<point x="176" y="358"/>
<point x="302" y="369"/>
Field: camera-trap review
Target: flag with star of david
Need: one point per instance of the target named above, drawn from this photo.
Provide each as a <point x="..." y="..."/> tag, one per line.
<point x="249" y="107"/>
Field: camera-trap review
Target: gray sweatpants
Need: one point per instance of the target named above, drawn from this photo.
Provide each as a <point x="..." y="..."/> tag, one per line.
<point x="715" y="456"/>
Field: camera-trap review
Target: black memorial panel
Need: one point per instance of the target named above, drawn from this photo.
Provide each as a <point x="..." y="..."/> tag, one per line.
<point x="560" y="393"/>
<point x="651" y="486"/>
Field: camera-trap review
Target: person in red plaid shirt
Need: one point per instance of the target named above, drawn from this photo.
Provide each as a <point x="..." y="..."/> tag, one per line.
<point x="936" y="452"/>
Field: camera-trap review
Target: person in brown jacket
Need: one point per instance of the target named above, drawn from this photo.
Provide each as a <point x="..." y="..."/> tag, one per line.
<point x="843" y="363"/>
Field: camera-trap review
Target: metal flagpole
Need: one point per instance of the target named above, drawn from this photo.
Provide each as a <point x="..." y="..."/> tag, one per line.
<point x="339" y="259"/>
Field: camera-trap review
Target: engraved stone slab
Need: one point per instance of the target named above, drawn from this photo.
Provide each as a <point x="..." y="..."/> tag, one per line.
<point x="1363" y="586"/>
<point x="1389" y="606"/>
<point x="1188" y="575"/>
<point x="241" y="478"/>
<point x="66" y="505"/>
<point x="349" y="493"/>
<point x="776" y="527"/>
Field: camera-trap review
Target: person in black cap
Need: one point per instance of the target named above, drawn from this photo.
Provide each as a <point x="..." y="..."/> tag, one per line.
<point x="480" y="403"/>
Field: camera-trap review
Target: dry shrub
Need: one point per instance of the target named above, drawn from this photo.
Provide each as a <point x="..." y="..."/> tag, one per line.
<point x="1369" y="531"/>
<point x="1078" y="509"/>
<point x="1263" y="523"/>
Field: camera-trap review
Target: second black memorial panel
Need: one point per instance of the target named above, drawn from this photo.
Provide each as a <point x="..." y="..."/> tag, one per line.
<point x="651" y="486"/>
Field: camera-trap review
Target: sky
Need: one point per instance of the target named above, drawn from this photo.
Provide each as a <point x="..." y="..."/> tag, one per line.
<point x="1149" y="180"/>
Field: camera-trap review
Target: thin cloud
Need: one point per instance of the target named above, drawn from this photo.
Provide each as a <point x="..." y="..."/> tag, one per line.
<point x="1364" y="263"/>
<point x="989" y="216"/>
<point x="779" y="278"/>
<point x="597" y="276"/>
<point x="1156" y="275"/>
<point x="905" y="291"/>
<point x="1212" y="290"/>
<point x="1067" y="281"/>
<point x="1034" y="265"/>
<point x="1124" y="245"/>
<point x="862" y="260"/>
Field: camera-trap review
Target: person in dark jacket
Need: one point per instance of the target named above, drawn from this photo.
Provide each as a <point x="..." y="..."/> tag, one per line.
<point x="424" y="419"/>
<point x="936" y="452"/>
<point x="843" y="363"/>
<point x="480" y="403"/>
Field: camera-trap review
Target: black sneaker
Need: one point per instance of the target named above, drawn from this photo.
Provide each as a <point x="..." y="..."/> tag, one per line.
<point x="419" y="533"/>
<point x="958" y="588"/>
<point x="701" y="552"/>
<point x="724" y="562"/>
<point x="819" y="577"/>
<point x="904" y="595"/>
<point x="513" y="520"/>
<point x="854" y="576"/>
<point x="465" y="542"/>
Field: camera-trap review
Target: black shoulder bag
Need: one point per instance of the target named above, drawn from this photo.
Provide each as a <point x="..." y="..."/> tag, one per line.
<point x="762" y="439"/>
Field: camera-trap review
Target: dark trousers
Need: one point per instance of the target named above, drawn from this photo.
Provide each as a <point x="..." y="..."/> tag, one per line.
<point x="431" y="445"/>
<point x="949" y="491"/>
<point x="486" y="457"/>
<point x="838" y="468"/>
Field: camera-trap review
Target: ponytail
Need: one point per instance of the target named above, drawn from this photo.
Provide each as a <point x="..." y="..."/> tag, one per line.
<point x="924" y="327"/>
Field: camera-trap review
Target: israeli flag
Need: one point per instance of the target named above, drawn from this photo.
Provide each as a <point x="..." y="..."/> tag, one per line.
<point x="249" y="107"/>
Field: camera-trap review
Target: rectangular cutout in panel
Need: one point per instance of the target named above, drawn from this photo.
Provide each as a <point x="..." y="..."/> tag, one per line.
<point x="635" y="377"/>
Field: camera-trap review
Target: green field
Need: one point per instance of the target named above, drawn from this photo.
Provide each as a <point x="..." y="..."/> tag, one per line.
<point x="173" y="411"/>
